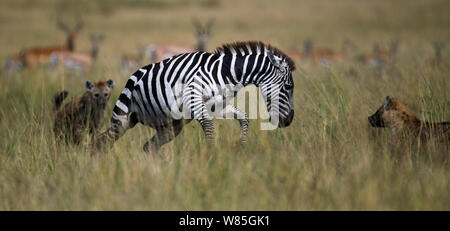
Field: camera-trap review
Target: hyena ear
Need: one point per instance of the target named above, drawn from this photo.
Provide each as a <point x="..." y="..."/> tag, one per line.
<point x="89" y="85"/>
<point x="276" y="61"/>
<point x="110" y="83"/>
<point x="388" y="104"/>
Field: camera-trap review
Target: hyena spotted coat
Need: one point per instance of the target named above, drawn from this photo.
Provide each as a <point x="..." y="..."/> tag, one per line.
<point x="83" y="113"/>
<point x="402" y="122"/>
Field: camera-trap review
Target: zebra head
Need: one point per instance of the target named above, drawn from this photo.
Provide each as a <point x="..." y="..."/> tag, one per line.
<point x="278" y="90"/>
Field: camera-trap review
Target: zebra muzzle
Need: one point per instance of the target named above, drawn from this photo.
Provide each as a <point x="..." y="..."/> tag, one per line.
<point x="287" y="121"/>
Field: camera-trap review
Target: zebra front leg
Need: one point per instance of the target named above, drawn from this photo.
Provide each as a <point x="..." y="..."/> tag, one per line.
<point x="208" y="128"/>
<point x="195" y="103"/>
<point x="232" y="112"/>
<point x="163" y="136"/>
<point x="203" y="116"/>
<point x="78" y="132"/>
<point x="119" y="125"/>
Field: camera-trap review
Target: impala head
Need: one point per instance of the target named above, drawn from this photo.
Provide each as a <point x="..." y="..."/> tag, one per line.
<point x="307" y="47"/>
<point x="95" y="42"/>
<point x="376" y="48"/>
<point x="348" y="46"/>
<point x="278" y="89"/>
<point x="141" y="50"/>
<point x="70" y="34"/>
<point x="394" y="47"/>
<point x="15" y="62"/>
<point x="100" y="91"/>
<point x="203" y="33"/>
<point x="438" y="46"/>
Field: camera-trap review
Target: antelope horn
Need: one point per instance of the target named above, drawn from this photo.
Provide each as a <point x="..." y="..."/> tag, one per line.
<point x="198" y="26"/>
<point x="62" y="26"/>
<point x="209" y="25"/>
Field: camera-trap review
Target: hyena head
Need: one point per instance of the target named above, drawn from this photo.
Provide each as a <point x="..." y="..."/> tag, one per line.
<point x="393" y="114"/>
<point x="100" y="91"/>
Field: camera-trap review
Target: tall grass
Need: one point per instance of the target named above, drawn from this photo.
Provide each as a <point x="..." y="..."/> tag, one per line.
<point x="328" y="159"/>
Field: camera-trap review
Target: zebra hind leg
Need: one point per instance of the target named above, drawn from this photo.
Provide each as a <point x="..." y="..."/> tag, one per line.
<point x="232" y="112"/>
<point x="163" y="136"/>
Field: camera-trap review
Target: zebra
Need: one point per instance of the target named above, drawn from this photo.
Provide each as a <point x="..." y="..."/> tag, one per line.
<point x="150" y="96"/>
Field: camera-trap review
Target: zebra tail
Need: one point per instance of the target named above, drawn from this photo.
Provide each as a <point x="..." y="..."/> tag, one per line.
<point x="59" y="98"/>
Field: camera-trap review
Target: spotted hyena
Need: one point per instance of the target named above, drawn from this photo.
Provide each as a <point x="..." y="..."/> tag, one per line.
<point x="84" y="113"/>
<point x="396" y="116"/>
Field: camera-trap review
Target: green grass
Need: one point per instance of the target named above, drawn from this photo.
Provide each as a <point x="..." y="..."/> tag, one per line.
<point x="328" y="159"/>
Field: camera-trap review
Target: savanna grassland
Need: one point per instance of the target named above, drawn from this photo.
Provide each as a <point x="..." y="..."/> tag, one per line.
<point x="329" y="158"/>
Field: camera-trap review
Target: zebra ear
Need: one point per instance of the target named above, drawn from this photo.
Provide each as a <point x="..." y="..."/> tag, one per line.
<point x="89" y="86"/>
<point x="273" y="59"/>
<point x="110" y="83"/>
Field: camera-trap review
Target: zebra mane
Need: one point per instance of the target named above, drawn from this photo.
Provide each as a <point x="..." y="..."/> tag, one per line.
<point x="253" y="47"/>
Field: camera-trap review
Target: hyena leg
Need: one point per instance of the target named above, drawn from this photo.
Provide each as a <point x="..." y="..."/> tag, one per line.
<point x="232" y="112"/>
<point x="163" y="136"/>
<point x="78" y="132"/>
<point x="58" y="130"/>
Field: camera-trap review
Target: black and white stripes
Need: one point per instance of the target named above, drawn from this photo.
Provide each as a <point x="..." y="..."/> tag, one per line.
<point x="169" y="94"/>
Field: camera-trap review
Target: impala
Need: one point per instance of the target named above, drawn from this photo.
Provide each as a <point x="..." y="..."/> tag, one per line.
<point x="41" y="55"/>
<point x="15" y="62"/>
<point x="437" y="60"/>
<point x="296" y="54"/>
<point x="132" y="61"/>
<point x="325" y="56"/>
<point x="158" y="52"/>
<point x="77" y="61"/>
<point x="380" y="56"/>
